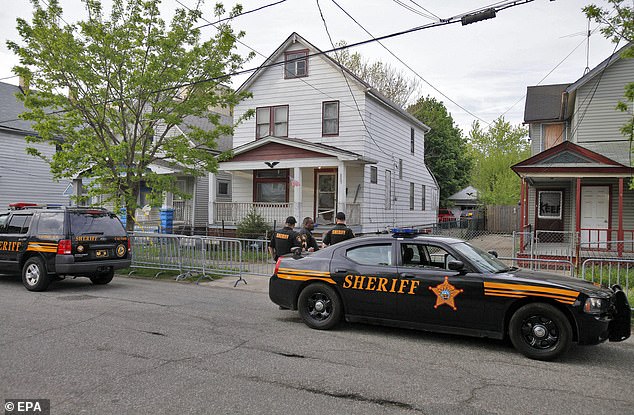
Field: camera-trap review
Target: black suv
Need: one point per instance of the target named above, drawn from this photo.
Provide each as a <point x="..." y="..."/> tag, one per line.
<point x="49" y="242"/>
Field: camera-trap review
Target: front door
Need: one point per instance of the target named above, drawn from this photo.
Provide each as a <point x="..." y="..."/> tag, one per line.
<point x="595" y="210"/>
<point x="326" y="198"/>
<point x="549" y="222"/>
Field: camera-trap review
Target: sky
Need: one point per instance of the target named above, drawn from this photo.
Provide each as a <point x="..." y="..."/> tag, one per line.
<point x="479" y="71"/>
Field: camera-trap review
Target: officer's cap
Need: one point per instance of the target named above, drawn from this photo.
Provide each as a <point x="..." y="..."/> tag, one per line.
<point x="291" y="220"/>
<point x="341" y="216"/>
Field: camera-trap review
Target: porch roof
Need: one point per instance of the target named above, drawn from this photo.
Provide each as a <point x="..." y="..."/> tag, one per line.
<point x="570" y="160"/>
<point x="282" y="152"/>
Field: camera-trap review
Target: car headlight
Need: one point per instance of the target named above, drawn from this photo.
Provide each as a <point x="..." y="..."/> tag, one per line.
<point x="595" y="305"/>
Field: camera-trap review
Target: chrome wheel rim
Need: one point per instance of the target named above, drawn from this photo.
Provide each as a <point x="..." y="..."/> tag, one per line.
<point x="32" y="274"/>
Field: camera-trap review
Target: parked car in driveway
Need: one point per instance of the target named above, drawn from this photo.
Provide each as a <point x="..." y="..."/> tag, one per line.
<point x="445" y="215"/>
<point x="446" y="285"/>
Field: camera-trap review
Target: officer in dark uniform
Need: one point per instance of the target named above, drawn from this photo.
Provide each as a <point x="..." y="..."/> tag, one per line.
<point x="283" y="241"/>
<point x="306" y="235"/>
<point x="340" y="232"/>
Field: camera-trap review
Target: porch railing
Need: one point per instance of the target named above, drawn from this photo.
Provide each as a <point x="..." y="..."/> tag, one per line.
<point x="233" y="212"/>
<point x="183" y="211"/>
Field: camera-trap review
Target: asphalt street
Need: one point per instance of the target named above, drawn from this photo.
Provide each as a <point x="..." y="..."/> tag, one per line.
<point x="154" y="347"/>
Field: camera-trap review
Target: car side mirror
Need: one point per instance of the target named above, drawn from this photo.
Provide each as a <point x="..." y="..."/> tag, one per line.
<point x="494" y="253"/>
<point x="456" y="265"/>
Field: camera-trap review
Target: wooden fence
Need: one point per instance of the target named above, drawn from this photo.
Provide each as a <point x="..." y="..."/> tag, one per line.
<point x="503" y="219"/>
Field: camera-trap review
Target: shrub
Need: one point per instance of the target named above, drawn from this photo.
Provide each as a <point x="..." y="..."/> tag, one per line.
<point x="253" y="226"/>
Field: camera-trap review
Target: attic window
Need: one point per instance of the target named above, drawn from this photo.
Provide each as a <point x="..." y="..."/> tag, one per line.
<point x="296" y="64"/>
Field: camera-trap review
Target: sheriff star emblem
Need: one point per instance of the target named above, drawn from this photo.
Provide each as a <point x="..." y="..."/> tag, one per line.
<point x="445" y="294"/>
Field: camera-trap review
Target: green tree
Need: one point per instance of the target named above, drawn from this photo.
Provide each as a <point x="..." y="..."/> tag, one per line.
<point x="618" y="25"/>
<point x="494" y="151"/>
<point x="446" y="151"/>
<point x="115" y="89"/>
<point x="253" y="226"/>
<point x="389" y="81"/>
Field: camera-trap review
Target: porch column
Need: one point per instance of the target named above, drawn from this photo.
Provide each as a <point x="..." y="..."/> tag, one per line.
<point x="578" y="222"/>
<point x="297" y="194"/>
<point x="341" y="187"/>
<point x="211" y="211"/>
<point x="621" y="234"/>
<point x="522" y="202"/>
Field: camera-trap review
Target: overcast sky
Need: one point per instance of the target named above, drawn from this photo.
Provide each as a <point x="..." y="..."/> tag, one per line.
<point x="483" y="67"/>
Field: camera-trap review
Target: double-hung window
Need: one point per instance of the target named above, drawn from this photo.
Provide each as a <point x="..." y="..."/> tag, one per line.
<point x="330" y="118"/>
<point x="296" y="64"/>
<point x="271" y="121"/>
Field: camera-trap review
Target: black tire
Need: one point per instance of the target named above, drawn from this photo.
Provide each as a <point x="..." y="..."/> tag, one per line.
<point x="102" y="278"/>
<point x="34" y="275"/>
<point x="320" y="306"/>
<point x="540" y="331"/>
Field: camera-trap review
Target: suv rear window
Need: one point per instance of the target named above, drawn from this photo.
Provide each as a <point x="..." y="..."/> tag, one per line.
<point x="51" y="223"/>
<point x="95" y="223"/>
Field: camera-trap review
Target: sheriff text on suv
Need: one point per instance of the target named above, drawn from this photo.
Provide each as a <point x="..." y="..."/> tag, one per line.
<point x="47" y="243"/>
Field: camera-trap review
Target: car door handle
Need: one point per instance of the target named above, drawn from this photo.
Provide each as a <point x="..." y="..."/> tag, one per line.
<point x="406" y="275"/>
<point x="342" y="271"/>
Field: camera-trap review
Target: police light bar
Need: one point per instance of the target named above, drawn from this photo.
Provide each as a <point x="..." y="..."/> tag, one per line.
<point x="22" y="205"/>
<point x="403" y="232"/>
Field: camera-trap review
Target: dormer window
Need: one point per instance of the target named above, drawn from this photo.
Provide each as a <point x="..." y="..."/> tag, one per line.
<point x="296" y="64"/>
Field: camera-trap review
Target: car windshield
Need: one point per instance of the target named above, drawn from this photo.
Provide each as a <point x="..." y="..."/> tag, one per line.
<point x="483" y="260"/>
<point x="95" y="223"/>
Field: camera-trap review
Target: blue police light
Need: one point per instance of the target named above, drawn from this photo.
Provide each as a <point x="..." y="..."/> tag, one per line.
<point x="403" y="232"/>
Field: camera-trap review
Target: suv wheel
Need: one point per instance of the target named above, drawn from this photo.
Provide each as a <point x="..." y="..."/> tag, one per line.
<point x="34" y="275"/>
<point x="103" y="278"/>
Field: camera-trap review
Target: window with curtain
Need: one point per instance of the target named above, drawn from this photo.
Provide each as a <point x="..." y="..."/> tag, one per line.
<point x="330" y="118"/>
<point x="270" y="186"/>
<point x="271" y="121"/>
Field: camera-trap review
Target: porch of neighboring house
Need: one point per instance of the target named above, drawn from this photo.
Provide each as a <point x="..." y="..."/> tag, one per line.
<point x="576" y="218"/>
<point x="281" y="177"/>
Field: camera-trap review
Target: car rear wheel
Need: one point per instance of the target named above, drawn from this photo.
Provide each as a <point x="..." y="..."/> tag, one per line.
<point x="540" y="331"/>
<point x="34" y="275"/>
<point x="319" y="306"/>
<point x="102" y="278"/>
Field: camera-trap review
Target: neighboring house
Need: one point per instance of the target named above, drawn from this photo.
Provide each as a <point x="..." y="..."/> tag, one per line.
<point x="464" y="200"/>
<point x="191" y="214"/>
<point x="576" y="185"/>
<point x="321" y="141"/>
<point x="24" y="178"/>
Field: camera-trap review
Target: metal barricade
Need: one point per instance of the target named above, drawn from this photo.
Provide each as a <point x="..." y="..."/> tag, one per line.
<point x="538" y="264"/>
<point x="191" y="256"/>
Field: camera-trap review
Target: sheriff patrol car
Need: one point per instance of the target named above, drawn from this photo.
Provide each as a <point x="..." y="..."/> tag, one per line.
<point x="447" y="285"/>
<point x="49" y="242"/>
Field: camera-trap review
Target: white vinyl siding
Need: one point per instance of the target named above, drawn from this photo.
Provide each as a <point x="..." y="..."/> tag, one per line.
<point x="25" y="178"/>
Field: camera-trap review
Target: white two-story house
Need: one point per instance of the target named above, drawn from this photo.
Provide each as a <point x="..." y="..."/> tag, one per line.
<point x="576" y="188"/>
<point x="321" y="141"/>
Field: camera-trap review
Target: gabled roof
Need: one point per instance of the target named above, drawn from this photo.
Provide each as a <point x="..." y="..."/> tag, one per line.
<point x="569" y="157"/>
<point x="11" y="108"/>
<point x="369" y="89"/>
<point x="468" y="193"/>
<point x="609" y="61"/>
<point x="314" y="148"/>
<point x="544" y="103"/>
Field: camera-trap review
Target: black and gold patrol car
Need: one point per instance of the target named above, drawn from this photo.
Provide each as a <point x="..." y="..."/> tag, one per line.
<point x="47" y="243"/>
<point x="447" y="285"/>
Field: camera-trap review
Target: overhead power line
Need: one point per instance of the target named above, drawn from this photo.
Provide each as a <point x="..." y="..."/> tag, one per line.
<point x="443" y="22"/>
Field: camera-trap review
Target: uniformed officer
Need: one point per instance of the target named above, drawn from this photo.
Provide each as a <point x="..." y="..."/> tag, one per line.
<point x="306" y="235"/>
<point x="340" y="232"/>
<point x="283" y="241"/>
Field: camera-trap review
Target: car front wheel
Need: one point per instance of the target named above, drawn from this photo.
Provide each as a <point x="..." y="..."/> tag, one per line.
<point x="540" y="331"/>
<point x="102" y="278"/>
<point x="319" y="306"/>
<point x="34" y="275"/>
